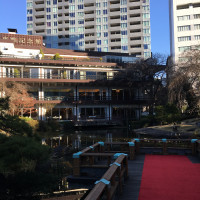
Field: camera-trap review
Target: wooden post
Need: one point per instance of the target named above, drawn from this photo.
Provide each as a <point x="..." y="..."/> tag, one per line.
<point x="164" y="146"/>
<point x="76" y="168"/>
<point x="137" y="146"/>
<point x="131" y="150"/>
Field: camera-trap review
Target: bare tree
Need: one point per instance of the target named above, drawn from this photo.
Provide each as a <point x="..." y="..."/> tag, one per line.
<point x="184" y="81"/>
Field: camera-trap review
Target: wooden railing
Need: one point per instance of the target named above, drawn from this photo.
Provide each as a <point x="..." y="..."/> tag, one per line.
<point x="106" y="187"/>
<point x="113" y="178"/>
<point x="90" y="156"/>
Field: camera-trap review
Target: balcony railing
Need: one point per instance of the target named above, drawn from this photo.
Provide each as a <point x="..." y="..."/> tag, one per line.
<point x="56" y="76"/>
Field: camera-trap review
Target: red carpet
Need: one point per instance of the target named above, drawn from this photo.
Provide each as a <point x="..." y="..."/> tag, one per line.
<point x="170" y="178"/>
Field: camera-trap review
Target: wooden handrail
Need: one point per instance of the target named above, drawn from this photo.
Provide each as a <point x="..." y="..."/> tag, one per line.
<point x="110" y="175"/>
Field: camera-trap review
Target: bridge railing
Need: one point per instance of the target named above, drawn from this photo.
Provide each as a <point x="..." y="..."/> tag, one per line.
<point x="111" y="181"/>
<point x="167" y="146"/>
<point x="94" y="155"/>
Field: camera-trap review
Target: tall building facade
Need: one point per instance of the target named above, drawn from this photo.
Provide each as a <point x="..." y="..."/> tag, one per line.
<point x="92" y="25"/>
<point x="184" y="27"/>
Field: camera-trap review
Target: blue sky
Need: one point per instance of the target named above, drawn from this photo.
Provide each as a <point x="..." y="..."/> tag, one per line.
<point x="13" y="15"/>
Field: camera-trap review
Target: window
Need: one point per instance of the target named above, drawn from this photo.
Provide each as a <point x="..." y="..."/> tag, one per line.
<point x="105" y="34"/>
<point x="124" y="17"/>
<point x="72" y="14"/>
<point x="146" y="54"/>
<point x="98" y="27"/>
<point x="54" y="2"/>
<point x="124" y="48"/>
<point x="99" y="49"/>
<point x="146" y="30"/>
<point x="146" y="46"/>
<point x="124" y="40"/>
<point x="80" y="29"/>
<point x="72" y="29"/>
<point x="184" y="28"/>
<point x="105" y="41"/>
<point x="105" y="12"/>
<point x="123" y="25"/>
<point x="146" y="15"/>
<point x="29" y="19"/>
<point x="98" y="12"/>
<point x="29" y="11"/>
<point x="184" y="38"/>
<point x="48" y="17"/>
<point x="182" y="49"/>
<point x="147" y="39"/>
<point x="72" y="7"/>
<point x="48" y="3"/>
<point x="55" y="31"/>
<point x="124" y="32"/>
<point x="48" y="9"/>
<point x="29" y="5"/>
<point x="197" y="37"/>
<point x="105" y="49"/>
<point x="183" y="18"/>
<point x="54" y="9"/>
<point x="48" y="31"/>
<point x="123" y="10"/>
<point x="196" y="26"/>
<point x="48" y="24"/>
<point x="81" y="43"/>
<point x="98" y="20"/>
<point x="146" y="23"/>
<point x="55" y="16"/>
<point x="105" y="19"/>
<point x="105" y="4"/>
<point x="81" y="36"/>
<point x="71" y="1"/>
<point x="98" y="42"/>
<point x="55" y="23"/>
<point x="29" y="25"/>
<point x="80" y="14"/>
<point x="98" y="5"/>
<point x="146" y="8"/>
<point x="80" y="7"/>
<point x="123" y="2"/>
<point x="72" y="22"/>
<point x="197" y="16"/>
<point x="29" y="32"/>
<point x="105" y="27"/>
<point x="98" y="34"/>
<point x="81" y="21"/>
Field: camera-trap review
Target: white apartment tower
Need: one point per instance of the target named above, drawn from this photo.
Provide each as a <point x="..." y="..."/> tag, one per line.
<point x="184" y="27"/>
<point x="92" y="25"/>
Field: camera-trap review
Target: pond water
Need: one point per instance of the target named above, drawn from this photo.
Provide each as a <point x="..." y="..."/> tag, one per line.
<point x="80" y="139"/>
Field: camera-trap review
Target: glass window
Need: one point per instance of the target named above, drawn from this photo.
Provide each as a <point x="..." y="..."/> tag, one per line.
<point x="183" y="18"/>
<point x="55" y="23"/>
<point x="105" y="49"/>
<point x="184" y="38"/>
<point x="72" y="22"/>
<point x="48" y="9"/>
<point x="80" y="7"/>
<point x="185" y="48"/>
<point x="98" y="5"/>
<point x="48" y="31"/>
<point x="81" y="21"/>
<point x="98" y="12"/>
<point x="54" y="2"/>
<point x="29" y="25"/>
<point x="124" y="48"/>
<point x="48" y="3"/>
<point x="123" y="2"/>
<point x="55" y="16"/>
<point x="105" y="12"/>
<point x="105" y="27"/>
<point x="29" y="5"/>
<point x="54" y="9"/>
<point x="98" y="20"/>
<point x="29" y="18"/>
<point x="98" y="34"/>
<point x="48" y="17"/>
<point x="55" y="31"/>
<point x="196" y="16"/>
<point x="105" y="4"/>
<point x="98" y="42"/>
<point x="184" y="28"/>
<point x="123" y="10"/>
<point x="105" y="41"/>
<point x="123" y="25"/>
<point x="81" y="36"/>
<point x="72" y="14"/>
<point x="29" y="32"/>
<point x="99" y="49"/>
<point x="146" y="23"/>
<point x="98" y="27"/>
<point x="105" y="19"/>
<point x="29" y="11"/>
<point x="197" y="37"/>
<point x="196" y="26"/>
<point x="105" y="34"/>
<point x="48" y="24"/>
<point x="124" y="17"/>
<point x="124" y="32"/>
<point x="146" y="15"/>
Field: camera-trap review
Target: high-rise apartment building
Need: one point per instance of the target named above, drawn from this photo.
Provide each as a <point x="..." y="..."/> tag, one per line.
<point x="92" y="25"/>
<point x="184" y="27"/>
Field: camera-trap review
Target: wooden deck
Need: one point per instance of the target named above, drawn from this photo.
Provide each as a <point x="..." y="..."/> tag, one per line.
<point x="131" y="187"/>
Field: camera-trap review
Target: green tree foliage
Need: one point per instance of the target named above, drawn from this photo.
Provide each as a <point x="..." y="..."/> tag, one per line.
<point x="56" y="56"/>
<point x="167" y="114"/>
